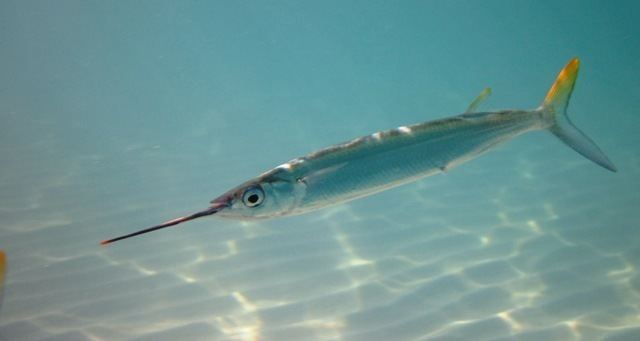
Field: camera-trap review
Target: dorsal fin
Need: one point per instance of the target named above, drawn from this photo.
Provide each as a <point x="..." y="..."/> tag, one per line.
<point x="476" y="102"/>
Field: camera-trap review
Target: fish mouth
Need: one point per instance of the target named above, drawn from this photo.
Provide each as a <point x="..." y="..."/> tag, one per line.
<point x="222" y="201"/>
<point x="215" y="207"/>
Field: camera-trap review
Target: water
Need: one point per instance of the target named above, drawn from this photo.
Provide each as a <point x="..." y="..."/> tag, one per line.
<point x="115" y="117"/>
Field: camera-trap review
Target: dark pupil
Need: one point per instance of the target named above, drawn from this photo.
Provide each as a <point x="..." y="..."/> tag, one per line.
<point x="253" y="198"/>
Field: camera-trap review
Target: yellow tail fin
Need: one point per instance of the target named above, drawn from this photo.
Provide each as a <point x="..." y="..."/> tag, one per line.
<point x="554" y="109"/>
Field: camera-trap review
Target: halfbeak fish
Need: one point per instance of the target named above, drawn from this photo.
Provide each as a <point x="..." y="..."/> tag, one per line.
<point x="387" y="159"/>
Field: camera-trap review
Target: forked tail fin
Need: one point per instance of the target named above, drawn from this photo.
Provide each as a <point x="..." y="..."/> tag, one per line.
<point x="554" y="109"/>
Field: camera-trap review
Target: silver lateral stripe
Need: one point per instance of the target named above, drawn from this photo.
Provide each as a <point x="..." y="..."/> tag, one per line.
<point x="285" y="166"/>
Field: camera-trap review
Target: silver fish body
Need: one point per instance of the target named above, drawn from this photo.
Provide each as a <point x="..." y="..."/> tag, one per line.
<point x="383" y="160"/>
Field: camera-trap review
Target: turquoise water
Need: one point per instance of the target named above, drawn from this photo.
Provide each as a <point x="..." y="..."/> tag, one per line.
<point x="118" y="116"/>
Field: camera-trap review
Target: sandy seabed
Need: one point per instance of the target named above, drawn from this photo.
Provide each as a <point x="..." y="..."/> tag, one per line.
<point x="473" y="254"/>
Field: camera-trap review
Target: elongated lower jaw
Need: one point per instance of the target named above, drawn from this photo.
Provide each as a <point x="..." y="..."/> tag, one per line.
<point x="211" y="210"/>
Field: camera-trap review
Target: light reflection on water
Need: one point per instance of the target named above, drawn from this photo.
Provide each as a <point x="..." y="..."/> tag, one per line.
<point x="113" y="129"/>
<point x="344" y="273"/>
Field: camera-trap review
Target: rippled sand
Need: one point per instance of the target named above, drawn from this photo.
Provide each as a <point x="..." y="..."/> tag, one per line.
<point x="528" y="252"/>
<point x="115" y="116"/>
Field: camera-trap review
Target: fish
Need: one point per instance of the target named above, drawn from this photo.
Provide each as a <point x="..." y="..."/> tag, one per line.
<point x="3" y="266"/>
<point x="387" y="159"/>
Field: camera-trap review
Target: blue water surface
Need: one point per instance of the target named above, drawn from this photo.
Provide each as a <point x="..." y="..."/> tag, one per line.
<point x="115" y="116"/>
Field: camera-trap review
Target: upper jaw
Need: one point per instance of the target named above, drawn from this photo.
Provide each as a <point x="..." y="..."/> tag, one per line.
<point x="222" y="201"/>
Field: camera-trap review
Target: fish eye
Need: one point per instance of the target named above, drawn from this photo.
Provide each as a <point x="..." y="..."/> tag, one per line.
<point x="253" y="196"/>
